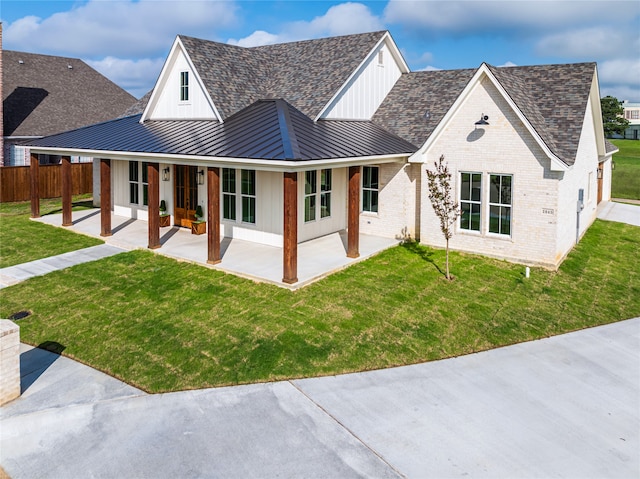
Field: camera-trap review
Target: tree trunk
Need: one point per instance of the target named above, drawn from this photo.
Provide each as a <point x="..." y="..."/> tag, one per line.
<point x="447" y="262"/>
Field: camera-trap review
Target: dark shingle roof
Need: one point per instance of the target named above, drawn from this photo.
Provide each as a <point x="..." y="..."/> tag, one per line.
<point x="306" y="73"/>
<point x="553" y="98"/>
<point x="264" y="130"/>
<point x="403" y="110"/>
<point x="42" y="95"/>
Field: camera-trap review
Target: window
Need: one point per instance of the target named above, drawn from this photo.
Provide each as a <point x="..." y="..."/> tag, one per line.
<point x="325" y="193"/>
<point x="133" y="183"/>
<point x="370" y="189"/>
<point x="145" y="183"/>
<point x="500" y="204"/>
<point x="311" y="194"/>
<point x="229" y="194"/>
<point x="635" y="114"/>
<point x="248" y="192"/>
<point x="470" y="198"/>
<point x="310" y="190"/>
<point x="381" y="57"/>
<point x="184" y="86"/>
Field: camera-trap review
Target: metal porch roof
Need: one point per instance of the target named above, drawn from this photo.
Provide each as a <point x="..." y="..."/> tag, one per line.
<point x="266" y="130"/>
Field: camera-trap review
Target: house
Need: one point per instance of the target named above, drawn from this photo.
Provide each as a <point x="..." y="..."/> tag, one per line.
<point x="43" y="95"/>
<point x="632" y="113"/>
<point x="283" y="143"/>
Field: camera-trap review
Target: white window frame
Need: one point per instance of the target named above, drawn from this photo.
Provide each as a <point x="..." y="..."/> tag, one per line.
<point x="230" y="193"/>
<point x="471" y="201"/>
<point x="364" y="188"/>
<point x="500" y="205"/>
<point x="317" y="194"/>
<point x="134" y="182"/>
<point x="184" y="86"/>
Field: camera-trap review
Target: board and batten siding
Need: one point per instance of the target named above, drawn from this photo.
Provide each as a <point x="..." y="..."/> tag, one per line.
<point x="338" y="219"/>
<point x="367" y="88"/>
<point x="168" y="106"/>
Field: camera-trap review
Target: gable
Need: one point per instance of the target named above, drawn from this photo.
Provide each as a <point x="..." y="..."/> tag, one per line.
<point x="368" y="85"/>
<point x="167" y="101"/>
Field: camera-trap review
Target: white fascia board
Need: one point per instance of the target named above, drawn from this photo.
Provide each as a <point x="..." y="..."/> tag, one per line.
<point x="177" y="44"/>
<point x="228" y="162"/>
<point x="556" y="163"/>
<point x="395" y="52"/>
<point x="596" y="113"/>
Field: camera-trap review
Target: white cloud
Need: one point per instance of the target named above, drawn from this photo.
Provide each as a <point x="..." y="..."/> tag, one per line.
<point x="122" y="27"/>
<point x="508" y="64"/>
<point x="621" y="71"/>
<point x="135" y="76"/>
<point x="342" y="19"/>
<point x="256" y="39"/>
<point x="596" y="42"/>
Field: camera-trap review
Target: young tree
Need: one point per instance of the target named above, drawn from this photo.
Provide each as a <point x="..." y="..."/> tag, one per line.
<point x="613" y="120"/>
<point x="447" y="210"/>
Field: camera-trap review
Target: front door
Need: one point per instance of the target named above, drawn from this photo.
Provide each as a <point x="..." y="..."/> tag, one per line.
<point x="186" y="194"/>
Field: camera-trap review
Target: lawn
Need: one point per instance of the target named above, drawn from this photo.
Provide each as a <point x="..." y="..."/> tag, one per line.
<point x="625" y="181"/>
<point x="22" y="240"/>
<point x="164" y="325"/>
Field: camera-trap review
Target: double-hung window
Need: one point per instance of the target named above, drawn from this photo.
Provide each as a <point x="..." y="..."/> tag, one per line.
<point x="500" y="194"/>
<point x="229" y="194"/>
<point x="470" y="200"/>
<point x="145" y="183"/>
<point x="134" y="178"/>
<point x="311" y="193"/>
<point x="248" y="193"/>
<point x="184" y="86"/>
<point x="370" y="187"/>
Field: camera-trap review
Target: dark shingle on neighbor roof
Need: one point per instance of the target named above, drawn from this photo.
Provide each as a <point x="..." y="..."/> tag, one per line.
<point x="256" y="132"/>
<point x="43" y="96"/>
<point x="553" y="98"/>
<point x="403" y="110"/>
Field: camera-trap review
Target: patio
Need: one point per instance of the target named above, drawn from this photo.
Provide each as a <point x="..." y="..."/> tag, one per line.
<point x="317" y="258"/>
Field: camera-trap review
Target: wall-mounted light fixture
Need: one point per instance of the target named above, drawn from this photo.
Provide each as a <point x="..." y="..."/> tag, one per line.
<point x="165" y="174"/>
<point x="201" y="177"/>
<point x="483" y="120"/>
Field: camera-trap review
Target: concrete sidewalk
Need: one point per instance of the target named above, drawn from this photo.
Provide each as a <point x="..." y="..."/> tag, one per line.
<point x="620" y="212"/>
<point x="16" y="274"/>
<point x="566" y="406"/>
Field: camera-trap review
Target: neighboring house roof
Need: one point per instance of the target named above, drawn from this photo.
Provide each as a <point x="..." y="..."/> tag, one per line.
<point x="44" y="94"/>
<point x="553" y="98"/>
<point x="267" y="129"/>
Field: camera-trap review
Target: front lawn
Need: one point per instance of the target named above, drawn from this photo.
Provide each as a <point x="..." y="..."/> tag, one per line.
<point x="23" y="240"/>
<point x="625" y="180"/>
<point x="164" y="325"/>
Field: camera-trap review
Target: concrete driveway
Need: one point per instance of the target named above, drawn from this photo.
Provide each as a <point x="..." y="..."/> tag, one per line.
<point x="567" y="407"/>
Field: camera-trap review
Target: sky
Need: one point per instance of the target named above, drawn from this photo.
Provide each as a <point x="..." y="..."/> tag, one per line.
<point x="128" y="40"/>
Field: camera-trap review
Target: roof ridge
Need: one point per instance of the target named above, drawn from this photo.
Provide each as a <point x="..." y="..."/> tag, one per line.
<point x="287" y="131"/>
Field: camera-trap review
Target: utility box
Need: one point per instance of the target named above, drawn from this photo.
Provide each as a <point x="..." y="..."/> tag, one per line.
<point x="9" y="361"/>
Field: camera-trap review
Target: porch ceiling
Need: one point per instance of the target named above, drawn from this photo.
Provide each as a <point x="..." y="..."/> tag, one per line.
<point x="317" y="258"/>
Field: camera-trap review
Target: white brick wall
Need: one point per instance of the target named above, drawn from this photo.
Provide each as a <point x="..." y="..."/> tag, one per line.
<point x="397" y="208"/>
<point x="504" y="147"/>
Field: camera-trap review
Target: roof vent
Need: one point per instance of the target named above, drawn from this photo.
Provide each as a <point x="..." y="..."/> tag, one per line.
<point x="427" y="115"/>
<point x="21" y="62"/>
<point x="70" y="67"/>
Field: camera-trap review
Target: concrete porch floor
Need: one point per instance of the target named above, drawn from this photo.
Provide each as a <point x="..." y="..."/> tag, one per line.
<point x="317" y="258"/>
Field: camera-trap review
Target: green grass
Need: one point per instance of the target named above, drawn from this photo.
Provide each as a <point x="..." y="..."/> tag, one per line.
<point x="625" y="181"/>
<point x="22" y="240"/>
<point x="164" y="325"/>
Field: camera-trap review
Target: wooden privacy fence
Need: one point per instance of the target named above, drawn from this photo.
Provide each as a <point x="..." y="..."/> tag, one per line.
<point x="15" y="181"/>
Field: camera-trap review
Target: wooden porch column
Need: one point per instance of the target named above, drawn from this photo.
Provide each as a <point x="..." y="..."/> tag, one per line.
<point x="66" y="191"/>
<point x="290" y="233"/>
<point x="105" y="197"/>
<point x="213" y="215"/>
<point x="353" y="223"/>
<point x="153" y="208"/>
<point x="34" y="173"/>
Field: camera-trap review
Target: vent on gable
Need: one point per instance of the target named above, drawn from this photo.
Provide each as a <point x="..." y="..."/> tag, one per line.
<point x="381" y="57"/>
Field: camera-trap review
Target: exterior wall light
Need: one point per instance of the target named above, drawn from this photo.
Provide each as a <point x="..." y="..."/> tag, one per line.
<point x="483" y="120"/>
<point x="201" y="177"/>
<point x="165" y="174"/>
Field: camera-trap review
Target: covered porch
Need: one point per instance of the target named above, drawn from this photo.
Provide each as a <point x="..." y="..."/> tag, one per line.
<point x="317" y="258"/>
